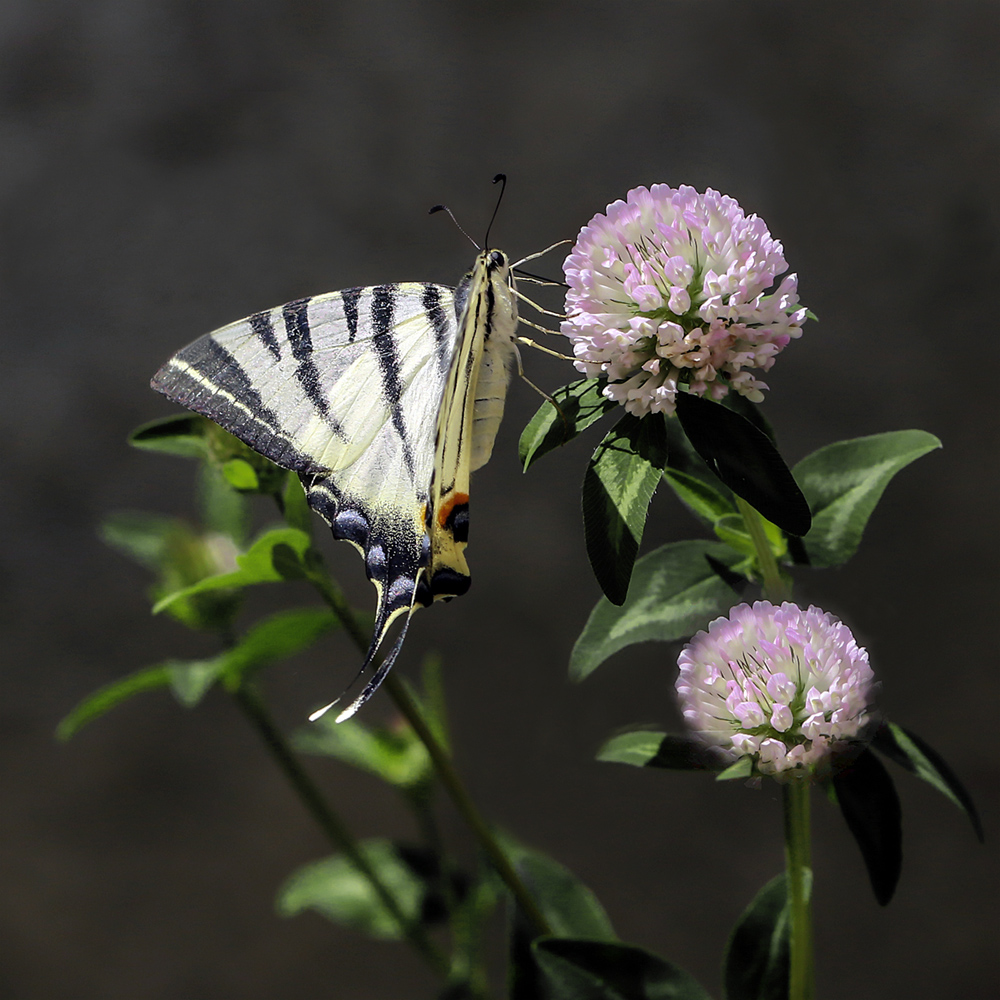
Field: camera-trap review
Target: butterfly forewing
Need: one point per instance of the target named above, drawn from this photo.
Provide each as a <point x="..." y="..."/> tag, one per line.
<point x="370" y="394"/>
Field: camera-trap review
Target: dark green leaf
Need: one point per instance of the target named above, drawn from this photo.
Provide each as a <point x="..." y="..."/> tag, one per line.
<point x="745" y="460"/>
<point x="257" y="565"/>
<point x="337" y="890"/>
<point x="908" y="750"/>
<point x="869" y="803"/>
<point x="569" y="907"/>
<point x="844" y="481"/>
<point x="756" y="962"/>
<point x="395" y="755"/>
<point x="580" y="405"/>
<point x="182" y="434"/>
<point x="105" y="698"/>
<point x="650" y="749"/>
<point x="675" y="592"/>
<point x="592" y="970"/>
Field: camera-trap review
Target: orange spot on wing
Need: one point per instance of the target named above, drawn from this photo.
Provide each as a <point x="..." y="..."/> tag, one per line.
<point x="455" y="500"/>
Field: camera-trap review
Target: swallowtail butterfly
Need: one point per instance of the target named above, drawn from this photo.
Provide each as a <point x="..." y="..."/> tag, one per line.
<point x="383" y="400"/>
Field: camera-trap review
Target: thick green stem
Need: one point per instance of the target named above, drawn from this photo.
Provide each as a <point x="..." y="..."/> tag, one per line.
<point x="439" y="756"/>
<point x="330" y="823"/>
<point x="774" y="587"/>
<point x="799" y="874"/>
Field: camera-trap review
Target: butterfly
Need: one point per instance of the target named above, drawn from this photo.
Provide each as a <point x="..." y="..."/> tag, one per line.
<point x="383" y="399"/>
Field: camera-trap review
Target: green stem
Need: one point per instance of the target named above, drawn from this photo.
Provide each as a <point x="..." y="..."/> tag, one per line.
<point x="774" y="587"/>
<point x="795" y="798"/>
<point x="330" y="823"/>
<point x="409" y="709"/>
<point x="463" y="802"/>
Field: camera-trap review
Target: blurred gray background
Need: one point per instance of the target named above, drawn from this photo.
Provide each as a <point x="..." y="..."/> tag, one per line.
<point x="167" y="166"/>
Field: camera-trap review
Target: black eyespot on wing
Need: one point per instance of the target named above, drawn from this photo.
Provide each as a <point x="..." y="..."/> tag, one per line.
<point x="457" y="522"/>
<point x="448" y="582"/>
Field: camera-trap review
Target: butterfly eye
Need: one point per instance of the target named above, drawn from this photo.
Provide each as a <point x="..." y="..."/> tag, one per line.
<point x="497" y="259"/>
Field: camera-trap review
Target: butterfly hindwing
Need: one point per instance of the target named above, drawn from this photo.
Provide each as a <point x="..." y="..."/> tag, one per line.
<point x="370" y="395"/>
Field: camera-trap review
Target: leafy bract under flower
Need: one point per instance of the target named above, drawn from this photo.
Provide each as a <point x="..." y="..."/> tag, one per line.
<point x="667" y="289"/>
<point x="779" y="684"/>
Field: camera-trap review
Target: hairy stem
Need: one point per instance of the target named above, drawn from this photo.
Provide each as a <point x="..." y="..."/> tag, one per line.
<point x="331" y="824"/>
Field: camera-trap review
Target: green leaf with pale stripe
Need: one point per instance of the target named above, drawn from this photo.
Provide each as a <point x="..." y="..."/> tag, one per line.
<point x="334" y="888"/>
<point x="700" y="497"/>
<point x="263" y="562"/>
<point x="580" y="404"/>
<point x="644" y="748"/>
<point x="743" y="768"/>
<point x="617" y="488"/>
<point x="674" y="593"/>
<point x="106" y="698"/>
<point x="844" y="481"/>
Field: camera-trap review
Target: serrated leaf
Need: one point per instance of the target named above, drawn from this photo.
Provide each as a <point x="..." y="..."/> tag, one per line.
<point x="106" y="698"/>
<point x="595" y="970"/>
<point x="256" y="565"/>
<point x="674" y="593"/>
<point x="395" y="755"/>
<point x="844" y="481"/>
<point x="334" y="888"/>
<point x="905" y="748"/>
<point x="182" y="434"/>
<point x="580" y="405"/>
<point x="745" y="459"/>
<point x="644" y="748"/>
<point x="756" y="962"/>
<point x="701" y="498"/>
<point x="870" y="806"/>
<point x="618" y="485"/>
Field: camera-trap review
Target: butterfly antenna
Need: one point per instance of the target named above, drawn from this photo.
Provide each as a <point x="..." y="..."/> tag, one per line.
<point x="500" y="179"/>
<point x="451" y="215"/>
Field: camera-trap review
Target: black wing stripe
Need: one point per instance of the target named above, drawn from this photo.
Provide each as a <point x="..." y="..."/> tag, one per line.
<point x="296" y="317"/>
<point x="439" y="323"/>
<point x="206" y="378"/>
<point x="349" y="297"/>
<point x="388" y="362"/>
<point x="261" y="325"/>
